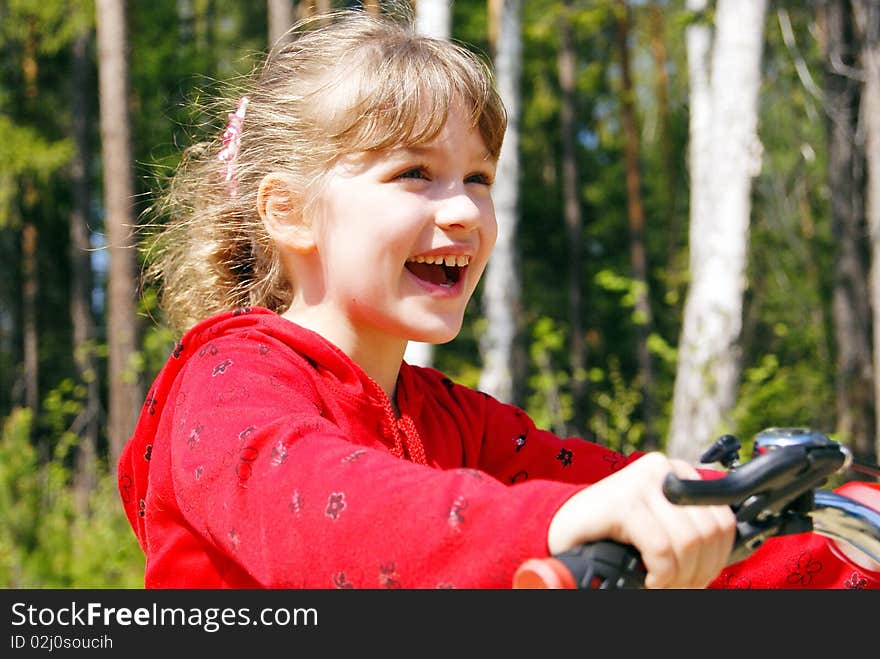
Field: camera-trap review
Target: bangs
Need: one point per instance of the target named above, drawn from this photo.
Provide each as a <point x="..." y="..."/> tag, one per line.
<point x="402" y="94"/>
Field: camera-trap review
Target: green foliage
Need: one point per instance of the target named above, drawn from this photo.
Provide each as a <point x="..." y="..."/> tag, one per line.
<point x="105" y="552"/>
<point x="56" y="22"/>
<point x="549" y="403"/>
<point x="180" y="52"/>
<point x="19" y="496"/>
<point x="628" y="288"/>
<point x="158" y="343"/>
<point x="776" y="394"/>
<point x="24" y="151"/>
<point x="614" y="401"/>
<point x="45" y="542"/>
<point x="614" y="419"/>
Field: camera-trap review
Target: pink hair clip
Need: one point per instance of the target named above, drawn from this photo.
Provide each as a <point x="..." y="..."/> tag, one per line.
<point x="232" y="142"/>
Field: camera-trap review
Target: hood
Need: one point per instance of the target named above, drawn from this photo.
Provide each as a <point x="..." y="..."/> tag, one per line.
<point x="335" y="368"/>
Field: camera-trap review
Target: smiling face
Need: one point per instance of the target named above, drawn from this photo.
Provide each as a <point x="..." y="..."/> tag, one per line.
<point x="401" y="239"/>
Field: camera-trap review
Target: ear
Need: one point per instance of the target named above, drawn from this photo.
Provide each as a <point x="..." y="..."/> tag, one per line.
<point x="279" y="202"/>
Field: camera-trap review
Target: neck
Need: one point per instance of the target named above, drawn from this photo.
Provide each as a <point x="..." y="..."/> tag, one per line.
<point x="380" y="362"/>
<point x="378" y="354"/>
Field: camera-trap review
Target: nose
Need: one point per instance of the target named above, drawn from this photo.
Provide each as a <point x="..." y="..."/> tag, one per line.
<point x="459" y="211"/>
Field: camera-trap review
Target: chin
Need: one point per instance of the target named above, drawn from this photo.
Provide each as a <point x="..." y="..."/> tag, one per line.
<point x="437" y="335"/>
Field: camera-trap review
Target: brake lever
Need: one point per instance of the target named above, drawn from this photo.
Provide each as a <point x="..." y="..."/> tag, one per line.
<point x="770" y="496"/>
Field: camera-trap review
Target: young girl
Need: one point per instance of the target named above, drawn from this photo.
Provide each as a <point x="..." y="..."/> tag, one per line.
<point x="286" y="443"/>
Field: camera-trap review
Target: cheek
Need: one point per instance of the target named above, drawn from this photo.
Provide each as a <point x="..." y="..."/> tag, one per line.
<point x="490" y="229"/>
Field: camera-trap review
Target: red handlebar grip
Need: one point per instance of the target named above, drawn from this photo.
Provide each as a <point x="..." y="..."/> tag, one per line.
<point x="537" y="573"/>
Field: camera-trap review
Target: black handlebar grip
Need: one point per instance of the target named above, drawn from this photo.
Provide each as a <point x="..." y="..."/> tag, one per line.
<point x="774" y="470"/>
<point x="599" y="565"/>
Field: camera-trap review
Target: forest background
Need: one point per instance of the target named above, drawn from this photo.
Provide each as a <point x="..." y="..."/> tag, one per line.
<point x="582" y="318"/>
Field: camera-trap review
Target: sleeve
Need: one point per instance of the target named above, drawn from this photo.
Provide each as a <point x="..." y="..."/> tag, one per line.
<point x="514" y="450"/>
<point x="274" y="486"/>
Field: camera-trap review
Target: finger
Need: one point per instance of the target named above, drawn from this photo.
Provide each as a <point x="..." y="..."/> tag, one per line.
<point x="645" y="529"/>
<point x="706" y="550"/>
<point x="700" y="535"/>
<point x="654" y="543"/>
<point x="718" y="524"/>
<point x="727" y="523"/>
<point x="689" y="535"/>
<point x="683" y="469"/>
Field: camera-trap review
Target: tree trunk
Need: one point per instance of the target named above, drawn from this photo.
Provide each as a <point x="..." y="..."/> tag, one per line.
<point x="82" y="320"/>
<point x="644" y="319"/>
<point x="434" y="19"/>
<point x="724" y="157"/>
<point x="281" y="17"/>
<point x="850" y="306"/>
<point x="124" y="395"/>
<point x="30" y="287"/>
<point x="501" y="287"/>
<point x="867" y="15"/>
<point x="668" y="162"/>
<point x="29" y="234"/>
<point x="312" y="7"/>
<point x="574" y="224"/>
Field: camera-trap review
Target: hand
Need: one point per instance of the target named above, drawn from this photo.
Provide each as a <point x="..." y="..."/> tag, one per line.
<point x="682" y="546"/>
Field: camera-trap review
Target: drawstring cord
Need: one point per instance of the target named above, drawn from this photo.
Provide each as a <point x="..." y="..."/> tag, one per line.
<point x="407" y="440"/>
<point x="413" y="441"/>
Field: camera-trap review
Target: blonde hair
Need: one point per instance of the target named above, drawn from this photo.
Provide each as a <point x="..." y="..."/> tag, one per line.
<point x="341" y="83"/>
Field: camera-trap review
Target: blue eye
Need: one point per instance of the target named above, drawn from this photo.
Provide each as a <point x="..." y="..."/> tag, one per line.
<point x="415" y="172"/>
<point x="482" y="179"/>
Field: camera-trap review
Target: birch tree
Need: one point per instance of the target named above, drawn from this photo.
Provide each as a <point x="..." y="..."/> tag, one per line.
<point x="501" y="287"/>
<point x="725" y="155"/>
<point x="281" y="16"/>
<point x="867" y="14"/>
<point x="124" y="395"/>
<point x="434" y="19"/>
<point x="846" y="161"/>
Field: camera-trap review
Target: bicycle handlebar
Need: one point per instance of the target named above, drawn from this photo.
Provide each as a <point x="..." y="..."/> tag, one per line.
<point x="841" y="518"/>
<point x="775" y="493"/>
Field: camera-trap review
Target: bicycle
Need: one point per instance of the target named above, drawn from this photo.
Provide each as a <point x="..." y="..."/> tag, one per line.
<point x="775" y="493"/>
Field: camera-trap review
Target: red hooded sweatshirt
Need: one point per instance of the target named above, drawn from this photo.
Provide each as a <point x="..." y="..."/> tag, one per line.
<point x="264" y="457"/>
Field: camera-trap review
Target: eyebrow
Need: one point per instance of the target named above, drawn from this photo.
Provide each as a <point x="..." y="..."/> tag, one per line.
<point x="416" y="150"/>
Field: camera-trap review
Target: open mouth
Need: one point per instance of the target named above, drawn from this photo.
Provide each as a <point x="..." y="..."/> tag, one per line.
<point x="438" y="270"/>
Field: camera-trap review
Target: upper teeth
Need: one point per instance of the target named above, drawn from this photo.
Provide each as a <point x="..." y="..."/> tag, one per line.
<point x="442" y="260"/>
